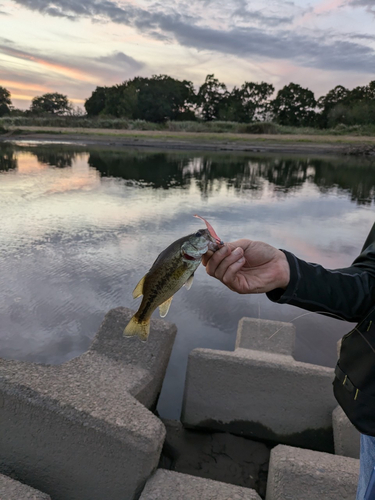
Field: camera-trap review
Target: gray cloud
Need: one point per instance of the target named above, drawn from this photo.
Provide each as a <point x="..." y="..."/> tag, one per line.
<point x="121" y="61"/>
<point x="368" y="4"/>
<point x="360" y="36"/>
<point x="90" y="9"/>
<point x="242" y="13"/>
<point x="304" y="48"/>
<point x="362" y="3"/>
<point x="264" y="19"/>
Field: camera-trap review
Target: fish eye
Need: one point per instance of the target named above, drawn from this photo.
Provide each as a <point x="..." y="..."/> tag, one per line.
<point x="199" y="233"/>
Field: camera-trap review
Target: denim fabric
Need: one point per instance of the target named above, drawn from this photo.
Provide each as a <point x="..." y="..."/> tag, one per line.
<point x="367" y="463"/>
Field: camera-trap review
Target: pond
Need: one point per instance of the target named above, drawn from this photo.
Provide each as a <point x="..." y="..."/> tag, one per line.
<point x="80" y="226"/>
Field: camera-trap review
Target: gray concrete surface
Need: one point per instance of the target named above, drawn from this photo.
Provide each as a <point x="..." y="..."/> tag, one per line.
<point x="14" y="490"/>
<point x="345" y="435"/>
<point x="310" y="475"/>
<point x="216" y="455"/>
<point x="82" y="430"/>
<point x="260" y="394"/>
<point x="168" y="485"/>
<point x="266" y="335"/>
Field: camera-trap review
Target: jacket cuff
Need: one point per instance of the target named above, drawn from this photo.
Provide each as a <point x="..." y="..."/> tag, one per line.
<point x="280" y="295"/>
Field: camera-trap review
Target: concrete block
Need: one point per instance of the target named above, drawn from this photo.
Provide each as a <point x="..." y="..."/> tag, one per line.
<point x="14" y="490"/>
<point x="168" y="485"/>
<point x="216" y="455"/>
<point x="310" y="475"/>
<point x="345" y="435"/>
<point x="82" y="430"/>
<point x="260" y="395"/>
<point x="266" y="335"/>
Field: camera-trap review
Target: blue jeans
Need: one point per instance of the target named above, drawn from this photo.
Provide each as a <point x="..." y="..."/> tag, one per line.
<point x="366" y="465"/>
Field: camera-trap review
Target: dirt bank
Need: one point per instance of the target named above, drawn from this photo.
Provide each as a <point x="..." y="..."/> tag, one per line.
<point x="306" y="144"/>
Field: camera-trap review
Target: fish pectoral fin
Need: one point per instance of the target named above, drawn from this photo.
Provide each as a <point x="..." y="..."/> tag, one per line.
<point x="189" y="282"/>
<point x="138" y="290"/>
<point x="164" y="307"/>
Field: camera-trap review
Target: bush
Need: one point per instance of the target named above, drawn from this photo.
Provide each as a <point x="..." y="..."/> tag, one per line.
<point x="261" y="128"/>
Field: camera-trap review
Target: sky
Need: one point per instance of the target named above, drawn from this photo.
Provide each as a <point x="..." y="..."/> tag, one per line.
<point x="71" y="47"/>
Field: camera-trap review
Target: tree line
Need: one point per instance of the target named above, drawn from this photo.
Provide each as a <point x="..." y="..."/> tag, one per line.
<point x="162" y="98"/>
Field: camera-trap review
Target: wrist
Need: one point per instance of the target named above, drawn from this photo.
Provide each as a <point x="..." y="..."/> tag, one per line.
<point x="283" y="277"/>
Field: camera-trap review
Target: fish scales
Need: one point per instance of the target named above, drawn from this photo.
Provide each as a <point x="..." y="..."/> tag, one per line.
<point x="168" y="283"/>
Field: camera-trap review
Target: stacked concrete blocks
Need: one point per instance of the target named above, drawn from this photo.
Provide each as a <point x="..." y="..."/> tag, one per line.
<point x="168" y="485"/>
<point x="82" y="430"/>
<point x="216" y="455"/>
<point x="13" y="490"/>
<point x="259" y="393"/>
<point x="310" y="475"/>
<point x="345" y="435"/>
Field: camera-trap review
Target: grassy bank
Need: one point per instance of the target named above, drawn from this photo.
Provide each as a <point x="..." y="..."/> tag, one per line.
<point x="9" y="123"/>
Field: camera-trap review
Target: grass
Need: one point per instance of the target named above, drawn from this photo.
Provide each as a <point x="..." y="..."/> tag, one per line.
<point x="214" y="127"/>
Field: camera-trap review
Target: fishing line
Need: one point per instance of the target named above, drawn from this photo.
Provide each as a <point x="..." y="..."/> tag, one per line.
<point x="325" y="314"/>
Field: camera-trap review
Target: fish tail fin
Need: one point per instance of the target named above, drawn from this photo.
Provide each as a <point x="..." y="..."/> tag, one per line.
<point x="139" y="328"/>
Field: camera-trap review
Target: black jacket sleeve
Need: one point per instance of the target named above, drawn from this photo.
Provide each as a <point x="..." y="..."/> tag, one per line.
<point x="348" y="293"/>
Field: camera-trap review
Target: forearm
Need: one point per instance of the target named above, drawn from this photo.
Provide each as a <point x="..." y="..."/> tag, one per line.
<point x="348" y="293"/>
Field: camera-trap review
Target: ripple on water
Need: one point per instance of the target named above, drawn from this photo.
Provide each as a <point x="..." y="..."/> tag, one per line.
<point x="79" y="229"/>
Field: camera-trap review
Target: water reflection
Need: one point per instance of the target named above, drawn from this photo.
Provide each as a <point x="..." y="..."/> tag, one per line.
<point x="81" y="226"/>
<point x="8" y="159"/>
<point x="58" y="157"/>
<point x="354" y="176"/>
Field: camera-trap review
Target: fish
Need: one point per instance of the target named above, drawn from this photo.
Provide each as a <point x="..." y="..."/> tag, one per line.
<point x="173" y="268"/>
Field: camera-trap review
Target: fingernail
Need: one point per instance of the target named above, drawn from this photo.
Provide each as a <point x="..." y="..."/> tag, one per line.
<point x="241" y="260"/>
<point x="237" y="251"/>
<point x="223" y="250"/>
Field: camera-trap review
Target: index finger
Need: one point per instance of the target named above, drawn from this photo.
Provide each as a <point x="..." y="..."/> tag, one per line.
<point x="207" y="256"/>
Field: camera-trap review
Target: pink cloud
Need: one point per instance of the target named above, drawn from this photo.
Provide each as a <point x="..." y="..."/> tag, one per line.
<point x="328" y="6"/>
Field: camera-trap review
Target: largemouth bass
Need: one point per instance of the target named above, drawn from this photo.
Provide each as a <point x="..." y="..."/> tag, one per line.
<point x="173" y="268"/>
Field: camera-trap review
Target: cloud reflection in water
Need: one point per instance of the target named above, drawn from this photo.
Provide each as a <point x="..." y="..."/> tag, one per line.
<point x="80" y="227"/>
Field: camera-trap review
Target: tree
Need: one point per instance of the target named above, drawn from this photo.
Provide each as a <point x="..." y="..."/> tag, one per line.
<point x="155" y="99"/>
<point x="162" y="98"/>
<point x="294" y="106"/>
<point x="211" y="96"/>
<point x="348" y="107"/>
<point x="255" y="100"/>
<point x="230" y="106"/>
<point x="96" y="103"/>
<point x="335" y="99"/>
<point x="51" y="103"/>
<point x="5" y="101"/>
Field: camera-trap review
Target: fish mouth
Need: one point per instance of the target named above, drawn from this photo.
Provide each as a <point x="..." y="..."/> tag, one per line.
<point x="190" y="257"/>
<point x="215" y="238"/>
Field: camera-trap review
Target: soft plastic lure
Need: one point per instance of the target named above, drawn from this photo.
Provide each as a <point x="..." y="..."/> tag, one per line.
<point x="211" y="231"/>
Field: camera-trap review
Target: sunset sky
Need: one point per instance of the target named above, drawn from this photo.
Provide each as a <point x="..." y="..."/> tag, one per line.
<point x="71" y="47"/>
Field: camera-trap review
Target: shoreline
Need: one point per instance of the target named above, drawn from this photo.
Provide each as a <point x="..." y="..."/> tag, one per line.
<point x="256" y="143"/>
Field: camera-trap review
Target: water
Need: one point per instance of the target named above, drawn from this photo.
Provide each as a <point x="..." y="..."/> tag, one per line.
<point x="80" y="227"/>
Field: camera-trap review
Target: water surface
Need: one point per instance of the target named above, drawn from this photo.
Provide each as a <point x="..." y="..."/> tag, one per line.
<point x="80" y="226"/>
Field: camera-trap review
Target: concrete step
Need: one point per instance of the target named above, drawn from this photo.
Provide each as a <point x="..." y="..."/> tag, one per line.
<point x="296" y="473"/>
<point x="259" y="393"/>
<point x="346" y="436"/>
<point x="83" y="430"/>
<point x="169" y="485"/>
<point x="14" y="490"/>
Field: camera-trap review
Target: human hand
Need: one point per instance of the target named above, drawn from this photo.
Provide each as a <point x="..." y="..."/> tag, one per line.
<point x="247" y="266"/>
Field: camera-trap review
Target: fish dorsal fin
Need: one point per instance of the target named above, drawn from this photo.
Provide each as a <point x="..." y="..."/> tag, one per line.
<point x="138" y="290"/>
<point x="189" y="282"/>
<point x="164" y="307"/>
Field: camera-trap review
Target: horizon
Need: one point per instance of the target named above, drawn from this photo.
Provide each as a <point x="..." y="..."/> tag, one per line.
<point x="71" y="48"/>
